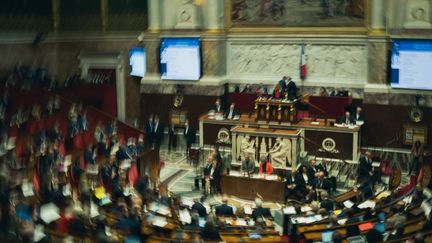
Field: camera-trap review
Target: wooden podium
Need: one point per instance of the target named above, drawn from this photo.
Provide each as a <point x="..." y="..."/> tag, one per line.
<point x="275" y="110"/>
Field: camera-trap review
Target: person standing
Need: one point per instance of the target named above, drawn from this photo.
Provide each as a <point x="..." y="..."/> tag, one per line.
<point x="190" y="136"/>
<point x="148" y="127"/>
<point x="158" y="130"/>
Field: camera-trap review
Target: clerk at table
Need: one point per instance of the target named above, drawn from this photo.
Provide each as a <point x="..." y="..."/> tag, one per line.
<point x="346" y="119"/>
<point x="248" y="166"/>
<point x="231" y="112"/>
<point x="218" y="107"/>
<point x="265" y="167"/>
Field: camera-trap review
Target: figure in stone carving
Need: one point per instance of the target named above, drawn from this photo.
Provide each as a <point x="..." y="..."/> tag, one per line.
<point x="248" y="147"/>
<point x="263" y="149"/>
<point x="418" y="15"/>
<point x="280" y="153"/>
<point x="187" y="16"/>
<point x="238" y="147"/>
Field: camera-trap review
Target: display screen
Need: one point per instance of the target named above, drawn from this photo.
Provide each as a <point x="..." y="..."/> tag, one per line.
<point x="137" y="61"/>
<point x="180" y="59"/>
<point x="411" y="64"/>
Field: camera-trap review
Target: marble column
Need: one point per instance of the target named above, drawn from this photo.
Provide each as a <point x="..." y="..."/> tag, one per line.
<point x="104" y="15"/>
<point x="154" y="15"/>
<point x="56" y="14"/>
<point x="215" y="13"/>
<point x="377" y="16"/>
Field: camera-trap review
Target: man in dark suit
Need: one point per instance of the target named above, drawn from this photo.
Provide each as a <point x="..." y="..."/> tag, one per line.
<point x="172" y="138"/>
<point x="199" y="207"/>
<point x="326" y="202"/>
<point x="323" y="167"/>
<point x="231" y="112"/>
<point x="293" y="185"/>
<point x="322" y="183"/>
<point x="148" y="127"/>
<point x="346" y="119"/>
<point x="190" y="136"/>
<point x="158" y="130"/>
<point x="259" y="211"/>
<point x="248" y="166"/>
<point x="283" y="84"/>
<point x="358" y="116"/>
<point x="218" y="107"/>
<point x="224" y="209"/>
<point x="365" y="167"/>
<point x="291" y="89"/>
<point x="208" y="173"/>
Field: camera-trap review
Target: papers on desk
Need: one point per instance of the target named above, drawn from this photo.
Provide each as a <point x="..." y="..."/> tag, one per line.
<point x="289" y="210"/>
<point x="367" y="204"/>
<point x="304" y="209"/>
<point x="342" y="221"/>
<point x="271" y="177"/>
<point x="159" y="221"/>
<point x="234" y="173"/>
<point x="307" y="220"/>
<point x="160" y="209"/>
<point x="314" y="123"/>
<point x="426" y="208"/>
<point x="247" y="210"/>
<point x="27" y="189"/>
<point x="105" y="201"/>
<point x="241" y="222"/>
<point x="187" y="202"/>
<point x="383" y="194"/>
<point x="38" y="233"/>
<point x="94" y="211"/>
<point x="348" y="204"/>
<point x="352" y="126"/>
<point x="236" y="117"/>
<point x="185" y="216"/>
<point x="67" y="190"/>
<point x="228" y="221"/>
<point x="49" y="213"/>
<point x="207" y="207"/>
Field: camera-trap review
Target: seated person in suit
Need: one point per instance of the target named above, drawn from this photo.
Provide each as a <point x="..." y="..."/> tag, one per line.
<point x="323" y="167"/>
<point x="217" y="106"/>
<point x="231" y="112"/>
<point x="224" y="208"/>
<point x="292" y="185"/>
<point x="265" y="167"/>
<point x="321" y="184"/>
<point x="248" y="166"/>
<point x="358" y="116"/>
<point x="346" y="119"/>
<point x="326" y="202"/>
<point x="194" y="224"/>
<point x="259" y="211"/>
<point x="210" y="232"/>
<point x="198" y="206"/>
<point x="291" y="89"/>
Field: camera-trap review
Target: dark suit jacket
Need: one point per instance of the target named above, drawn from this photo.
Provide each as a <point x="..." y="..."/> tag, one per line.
<point x="207" y="169"/>
<point x="291" y="88"/>
<point x="149" y="132"/>
<point x="327" y="204"/>
<point x="158" y="133"/>
<point x="200" y="209"/>
<point x="324" y="184"/>
<point x="343" y="120"/>
<point x="365" y="167"/>
<point x="190" y="135"/>
<point x="322" y="168"/>
<point x="360" y="118"/>
<point x="261" y="212"/>
<point x="228" y="111"/>
<point x="224" y="209"/>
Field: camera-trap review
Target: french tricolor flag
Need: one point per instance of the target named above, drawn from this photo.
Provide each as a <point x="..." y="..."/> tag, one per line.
<point x="303" y="68"/>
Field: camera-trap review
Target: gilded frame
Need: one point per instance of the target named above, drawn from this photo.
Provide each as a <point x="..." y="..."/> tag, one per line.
<point x="230" y="27"/>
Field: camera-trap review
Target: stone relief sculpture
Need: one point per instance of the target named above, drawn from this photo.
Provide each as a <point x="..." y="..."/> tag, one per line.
<point x="239" y="147"/>
<point x="247" y="147"/>
<point x="324" y="61"/>
<point x="417" y="15"/>
<point x="187" y="16"/>
<point x="280" y="153"/>
<point x="265" y="59"/>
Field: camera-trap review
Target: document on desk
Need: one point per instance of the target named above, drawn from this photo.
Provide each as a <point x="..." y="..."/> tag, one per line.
<point x="367" y="204"/>
<point x="247" y="210"/>
<point x="38" y="233"/>
<point x="289" y="210"/>
<point x="187" y="202"/>
<point x="348" y="204"/>
<point x="159" y="221"/>
<point x="185" y="216"/>
<point x="234" y="173"/>
<point x="49" y="213"/>
<point x="271" y="177"/>
<point x="241" y="222"/>
<point x="304" y="209"/>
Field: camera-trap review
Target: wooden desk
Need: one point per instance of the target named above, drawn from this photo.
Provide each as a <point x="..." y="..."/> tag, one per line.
<point x="247" y="188"/>
<point x="322" y="139"/>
